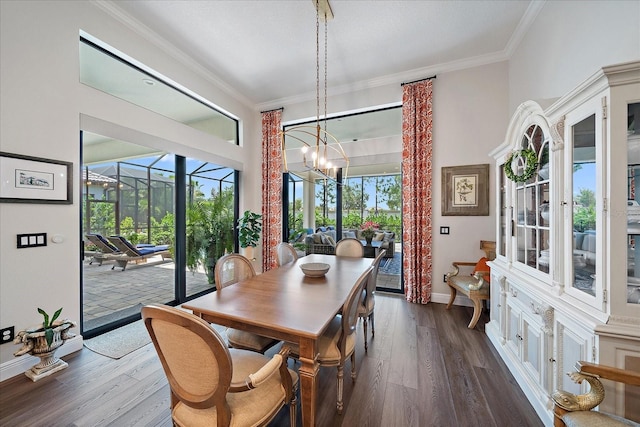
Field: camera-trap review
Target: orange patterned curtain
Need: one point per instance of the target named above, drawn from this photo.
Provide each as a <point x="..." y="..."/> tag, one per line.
<point x="417" y="149"/>
<point x="271" y="187"/>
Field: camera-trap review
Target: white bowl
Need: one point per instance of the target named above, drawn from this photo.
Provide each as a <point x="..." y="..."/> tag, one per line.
<point x="315" y="269"/>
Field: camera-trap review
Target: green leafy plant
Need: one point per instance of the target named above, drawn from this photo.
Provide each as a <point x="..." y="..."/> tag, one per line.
<point x="47" y="323"/>
<point x="249" y="228"/>
<point x="209" y="232"/>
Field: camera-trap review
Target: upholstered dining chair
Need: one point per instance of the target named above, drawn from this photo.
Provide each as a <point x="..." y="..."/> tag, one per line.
<point x="230" y="269"/>
<point x="338" y="342"/>
<point x="349" y="247"/>
<point x="212" y="385"/>
<point x="286" y="253"/>
<point x="367" y="304"/>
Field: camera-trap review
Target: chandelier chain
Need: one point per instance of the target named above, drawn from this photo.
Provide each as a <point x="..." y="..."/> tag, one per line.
<point x="325" y="78"/>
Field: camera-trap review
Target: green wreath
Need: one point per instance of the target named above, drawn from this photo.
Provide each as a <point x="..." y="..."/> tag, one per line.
<point x="530" y="165"/>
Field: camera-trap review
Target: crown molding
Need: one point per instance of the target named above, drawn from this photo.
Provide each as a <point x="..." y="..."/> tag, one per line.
<point x="111" y="8"/>
<point x="526" y="22"/>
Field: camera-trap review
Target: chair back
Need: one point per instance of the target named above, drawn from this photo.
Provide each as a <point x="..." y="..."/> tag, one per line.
<point x="232" y="268"/>
<point x="102" y="244"/>
<point x="370" y="287"/>
<point x="286" y="253"/>
<point x="124" y="246"/>
<point x="350" y="308"/>
<point x="194" y="357"/>
<point x="350" y="247"/>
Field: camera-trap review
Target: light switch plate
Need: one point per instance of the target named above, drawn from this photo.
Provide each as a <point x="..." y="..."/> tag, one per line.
<point x="31" y="240"/>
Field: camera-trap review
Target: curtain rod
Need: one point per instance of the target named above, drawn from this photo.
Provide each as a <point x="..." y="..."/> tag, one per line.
<point x="275" y="109"/>
<point x="419" y="80"/>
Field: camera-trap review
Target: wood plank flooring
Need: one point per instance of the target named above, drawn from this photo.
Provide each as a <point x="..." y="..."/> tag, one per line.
<point x="423" y="368"/>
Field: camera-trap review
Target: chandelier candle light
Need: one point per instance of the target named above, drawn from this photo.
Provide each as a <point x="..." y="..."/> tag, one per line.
<point x="325" y="151"/>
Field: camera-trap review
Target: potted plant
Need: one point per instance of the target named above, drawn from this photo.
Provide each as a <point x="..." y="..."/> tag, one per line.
<point x="209" y="232"/>
<point x="42" y="341"/>
<point x="249" y="228"/>
<point x="369" y="230"/>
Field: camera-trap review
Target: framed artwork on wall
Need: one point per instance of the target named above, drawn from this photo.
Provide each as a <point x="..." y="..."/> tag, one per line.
<point x="465" y="190"/>
<point x="26" y="179"/>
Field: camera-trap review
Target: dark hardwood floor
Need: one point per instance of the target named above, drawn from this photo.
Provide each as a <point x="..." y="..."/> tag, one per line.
<point x="424" y="368"/>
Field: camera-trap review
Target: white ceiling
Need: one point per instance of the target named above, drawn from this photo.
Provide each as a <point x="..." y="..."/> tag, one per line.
<point x="264" y="51"/>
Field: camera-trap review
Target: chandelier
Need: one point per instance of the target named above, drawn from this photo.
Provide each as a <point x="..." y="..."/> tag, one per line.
<point x="321" y="153"/>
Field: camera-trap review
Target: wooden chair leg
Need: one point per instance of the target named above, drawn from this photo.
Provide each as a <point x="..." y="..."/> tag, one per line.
<point x="340" y="385"/>
<point x="293" y="408"/>
<point x="364" y="324"/>
<point x="477" y="310"/>
<point x="452" y="296"/>
<point x="353" y="366"/>
<point x="373" y="326"/>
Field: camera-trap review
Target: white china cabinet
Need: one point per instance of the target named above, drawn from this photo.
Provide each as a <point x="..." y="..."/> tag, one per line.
<point x="566" y="278"/>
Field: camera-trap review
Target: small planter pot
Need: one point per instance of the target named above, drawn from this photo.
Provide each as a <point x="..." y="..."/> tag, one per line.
<point x="34" y="342"/>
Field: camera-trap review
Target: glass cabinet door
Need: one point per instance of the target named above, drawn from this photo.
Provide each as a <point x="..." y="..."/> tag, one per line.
<point x="633" y="204"/>
<point x="531" y="204"/>
<point x="504" y="215"/>
<point x="583" y="209"/>
<point x="584" y="200"/>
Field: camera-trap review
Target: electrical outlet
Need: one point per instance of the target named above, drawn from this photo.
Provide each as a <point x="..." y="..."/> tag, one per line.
<point x="6" y="334"/>
<point x="444" y="279"/>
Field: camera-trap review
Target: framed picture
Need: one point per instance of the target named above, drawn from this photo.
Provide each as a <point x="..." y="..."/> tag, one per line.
<point x="26" y="179"/>
<point x="465" y="190"/>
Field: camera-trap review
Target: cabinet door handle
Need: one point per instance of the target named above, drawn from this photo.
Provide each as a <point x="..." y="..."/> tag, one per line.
<point x="519" y="337"/>
<point x="552" y="360"/>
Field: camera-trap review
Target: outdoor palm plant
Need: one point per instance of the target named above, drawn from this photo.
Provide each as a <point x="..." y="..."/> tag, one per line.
<point x="209" y="232"/>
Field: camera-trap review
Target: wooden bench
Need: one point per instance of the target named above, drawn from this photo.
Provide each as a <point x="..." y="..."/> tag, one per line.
<point x="475" y="286"/>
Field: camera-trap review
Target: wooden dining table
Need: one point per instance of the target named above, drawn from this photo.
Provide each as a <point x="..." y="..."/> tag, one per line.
<point x="286" y="305"/>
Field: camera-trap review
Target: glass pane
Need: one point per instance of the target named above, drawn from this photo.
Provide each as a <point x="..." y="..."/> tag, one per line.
<point x="544" y="209"/>
<point x="210" y="221"/>
<point x="520" y="205"/>
<point x="325" y="210"/>
<point x="111" y="74"/>
<point x="530" y="206"/>
<point x="521" y="243"/>
<point x="543" y="245"/>
<point x="633" y="202"/>
<point x="584" y="204"/>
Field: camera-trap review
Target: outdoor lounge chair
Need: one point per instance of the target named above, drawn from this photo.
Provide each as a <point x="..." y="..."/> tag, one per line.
<point x="133" y="253"/>
<point x="107" y="250"/>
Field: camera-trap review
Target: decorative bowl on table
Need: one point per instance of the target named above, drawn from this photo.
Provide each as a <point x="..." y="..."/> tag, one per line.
<point x="314" y="269"/>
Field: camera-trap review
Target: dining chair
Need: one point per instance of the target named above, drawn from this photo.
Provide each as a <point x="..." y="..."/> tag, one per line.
<point x="286" y="253"/>
<point x="230" y="269"/>
<point x="212" y="385"/>
<point x="367" y="304"/>
<point x="349" y="247"/>
<point x="338" y="342"/>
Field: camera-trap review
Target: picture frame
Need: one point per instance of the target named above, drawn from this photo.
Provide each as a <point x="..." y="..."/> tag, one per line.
<point x="27" y="179"/>
<point x="465" y="190"/>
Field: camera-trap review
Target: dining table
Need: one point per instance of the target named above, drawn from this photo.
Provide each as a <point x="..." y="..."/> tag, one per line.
<point x="285" y="304"/>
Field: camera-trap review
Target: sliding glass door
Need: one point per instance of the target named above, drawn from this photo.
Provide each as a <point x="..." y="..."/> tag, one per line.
<point x="175" y="217"/>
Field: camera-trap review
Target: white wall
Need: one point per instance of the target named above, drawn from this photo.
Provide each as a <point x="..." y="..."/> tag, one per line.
<point x="568" y="42"/>
<point x="40" y="112"/>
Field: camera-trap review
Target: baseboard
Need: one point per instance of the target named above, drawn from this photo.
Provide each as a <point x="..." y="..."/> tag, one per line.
<point x="444" y="299"/>
<point x="21" y="364"/>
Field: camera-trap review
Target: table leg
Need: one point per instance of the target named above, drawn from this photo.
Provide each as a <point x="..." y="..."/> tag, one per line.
<point x="308" y="381"/>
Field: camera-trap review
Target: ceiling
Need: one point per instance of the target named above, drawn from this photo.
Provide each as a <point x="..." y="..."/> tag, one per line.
<point x="264" y="51"/>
